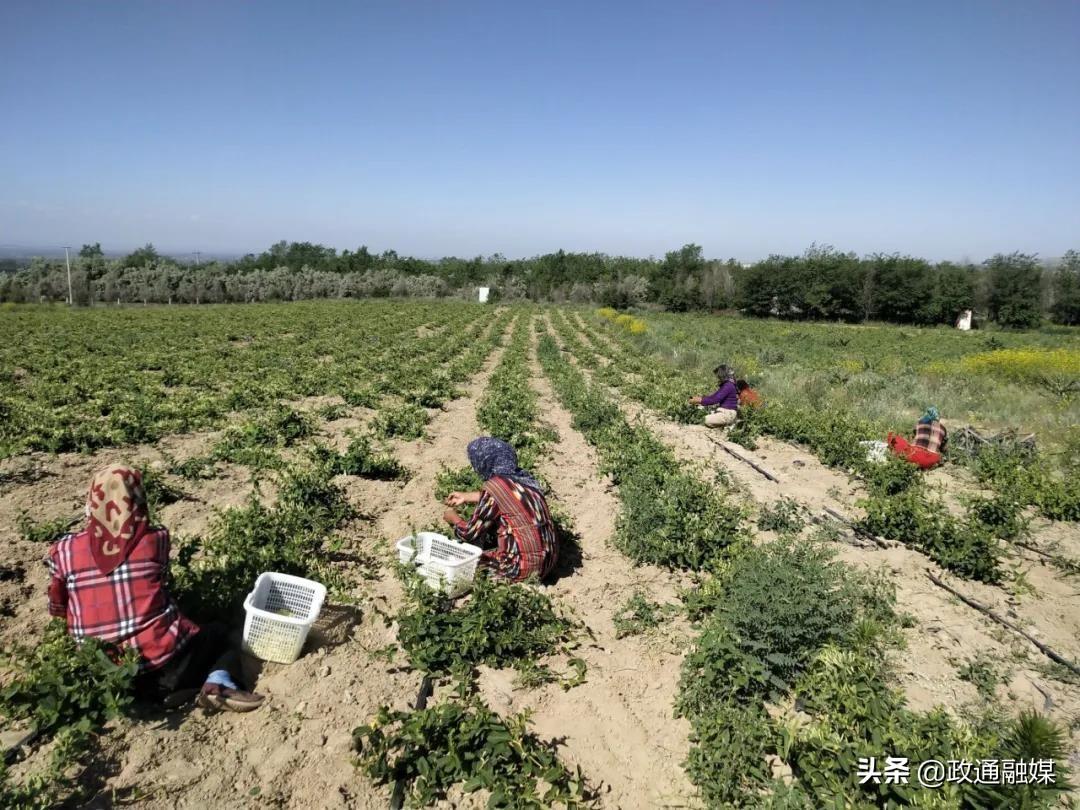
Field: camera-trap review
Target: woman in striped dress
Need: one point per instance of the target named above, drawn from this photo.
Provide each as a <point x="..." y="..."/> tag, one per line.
<point x="511" y="520"/>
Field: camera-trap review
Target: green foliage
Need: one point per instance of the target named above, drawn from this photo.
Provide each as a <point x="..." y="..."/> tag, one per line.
<point x="500" y="624"/>
<point x="197" y="468"/>
<point x="190" y="372"/>
<point x="254" y="442"/>
<point x="159" y="491"/>
<point x="728" y="759"/>
<point x="47" y="531"/>
<point x="65" y="691"/>
<point x="215" y="572"/>
<point x="768" y="613"/>
<point x="1014" y="282"/>
<point x="1066" y="308"/>
<point x="983" y="673"/>
<point x="508" y="408"/>
<point x="783" y="516"/>
<point x="404" y="422"/>
<point x="1030" y="736"/>
<point x="857" y="714"/>
<point x="965" y="547"/>
<point x="668" y="515"/>
<point x="466" y="744"/>
<point x="361" y="458"/>
<point x="638" y="615"/>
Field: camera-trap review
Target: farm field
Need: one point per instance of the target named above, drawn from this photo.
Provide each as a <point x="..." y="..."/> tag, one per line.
<point x="711" y="636"/>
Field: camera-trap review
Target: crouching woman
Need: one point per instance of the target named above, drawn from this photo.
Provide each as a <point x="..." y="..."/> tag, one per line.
<point x="511" y="520"/>
<point x="109" y="582"/>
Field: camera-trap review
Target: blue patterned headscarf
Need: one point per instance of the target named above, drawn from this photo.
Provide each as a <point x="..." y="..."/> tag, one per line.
<point x="930" y="416"/>
<point x="490" y="456"/>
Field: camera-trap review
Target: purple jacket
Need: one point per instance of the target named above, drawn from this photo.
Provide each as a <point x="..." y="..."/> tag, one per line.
<point x="726" y="396"/>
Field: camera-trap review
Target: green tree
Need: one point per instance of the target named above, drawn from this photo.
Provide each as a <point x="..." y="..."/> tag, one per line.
<point x="1014" y="281"/>
<point x="1066" y="307"/>
<point x="142" y="256"/>
<point x="93" y="251"/>
<point x="902" y="288"/>
<point x="954" y="291"/>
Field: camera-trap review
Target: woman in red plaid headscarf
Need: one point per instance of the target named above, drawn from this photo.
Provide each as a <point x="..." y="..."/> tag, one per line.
<point x="109" y="582"/>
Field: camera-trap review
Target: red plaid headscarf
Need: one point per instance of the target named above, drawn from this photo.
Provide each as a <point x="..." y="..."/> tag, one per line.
<point x="117" y="515"/>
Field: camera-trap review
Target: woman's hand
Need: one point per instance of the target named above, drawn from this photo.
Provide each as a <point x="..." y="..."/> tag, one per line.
<point x="695" y="400"/>
<point x="461" y="498"/>
<point x="451" y="517"/>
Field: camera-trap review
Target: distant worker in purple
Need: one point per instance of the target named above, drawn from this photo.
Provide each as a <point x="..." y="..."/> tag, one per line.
<point x="722" y="404"/>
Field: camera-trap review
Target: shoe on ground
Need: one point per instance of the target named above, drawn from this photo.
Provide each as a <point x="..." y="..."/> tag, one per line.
<point x="216" y="697"/>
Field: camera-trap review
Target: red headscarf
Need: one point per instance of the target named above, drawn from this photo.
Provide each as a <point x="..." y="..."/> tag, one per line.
<point x="116" y="509"/>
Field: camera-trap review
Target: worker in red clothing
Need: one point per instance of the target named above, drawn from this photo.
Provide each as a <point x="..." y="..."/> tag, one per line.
<point x="928" y="446"/>
<point x="748" y="397"/>
<point x="109" y="582"/>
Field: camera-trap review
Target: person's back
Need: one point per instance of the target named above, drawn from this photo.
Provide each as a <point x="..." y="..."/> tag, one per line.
<point x="128" y="606"/>
<point x="109" y="582"/>
<point x="931" y="436"/>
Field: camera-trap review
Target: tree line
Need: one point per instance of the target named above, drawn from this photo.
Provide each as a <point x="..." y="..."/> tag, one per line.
<point x="1014" y="290"/>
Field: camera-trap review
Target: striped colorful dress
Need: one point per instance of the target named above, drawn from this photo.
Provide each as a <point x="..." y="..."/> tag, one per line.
<point x="516" y="521"/>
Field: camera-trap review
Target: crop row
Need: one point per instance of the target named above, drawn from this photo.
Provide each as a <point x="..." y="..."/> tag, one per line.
<point x="460" y="741"/>
<point x="83" y="380"/>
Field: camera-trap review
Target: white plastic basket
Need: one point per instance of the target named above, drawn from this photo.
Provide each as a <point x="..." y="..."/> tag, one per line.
<point x="875" y="450"/>
<point x="444" y="564"/>
<point x="280" y="612"/>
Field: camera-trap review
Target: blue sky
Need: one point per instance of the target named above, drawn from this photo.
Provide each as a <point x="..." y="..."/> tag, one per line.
<point x="943" y="129"/>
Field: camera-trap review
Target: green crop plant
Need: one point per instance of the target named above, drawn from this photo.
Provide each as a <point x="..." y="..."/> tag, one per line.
<point x="638" y="615"/>
<point x="63" y="692"/>
<point x="668" y="515"/>
<point x="404" y="422"/>
<point x="466" y="744"/>
<point x="499" y="625"/>
<point x="785" y="516"/>
<point x="362" y="459"/>
<point x="214" y="572"/>
<point x="48" y="531"/>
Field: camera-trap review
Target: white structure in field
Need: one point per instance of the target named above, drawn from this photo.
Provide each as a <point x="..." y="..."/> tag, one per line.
<point x="484" y="293"/>
<point x="963" y="323"/>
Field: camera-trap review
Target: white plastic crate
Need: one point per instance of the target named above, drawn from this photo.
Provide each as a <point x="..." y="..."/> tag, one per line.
<point x="444" y="564"/>
<point x="875" y="450"/>
<point x="280" y="612"/>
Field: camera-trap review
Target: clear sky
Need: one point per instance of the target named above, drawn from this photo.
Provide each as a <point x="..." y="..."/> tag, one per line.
<point x="943" y="129"/>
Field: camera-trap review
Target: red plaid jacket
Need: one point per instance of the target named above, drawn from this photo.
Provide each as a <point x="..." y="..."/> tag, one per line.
<point x="931" y="436"/>
<point x="130" y="607"/>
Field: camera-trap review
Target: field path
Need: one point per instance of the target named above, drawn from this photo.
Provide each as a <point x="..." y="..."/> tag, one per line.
<point x="618" y="726"/>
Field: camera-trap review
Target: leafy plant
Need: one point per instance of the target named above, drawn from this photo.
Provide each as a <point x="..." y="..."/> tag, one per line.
<point x="466" y="744"/>
<point x="361" y="459"/>
<point x="159" y="492"/>
<point x="196" y="468"/>
<point x="784" y="516"/>
<point x="499" y="625"/>
<point x="638" y="615"/>
<point x="215" y="572"/>
<point x="983" y="674"/>
<point x="66" y="691"/>
<point x="47" y="531"/>
<point x="405" y="422"/>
